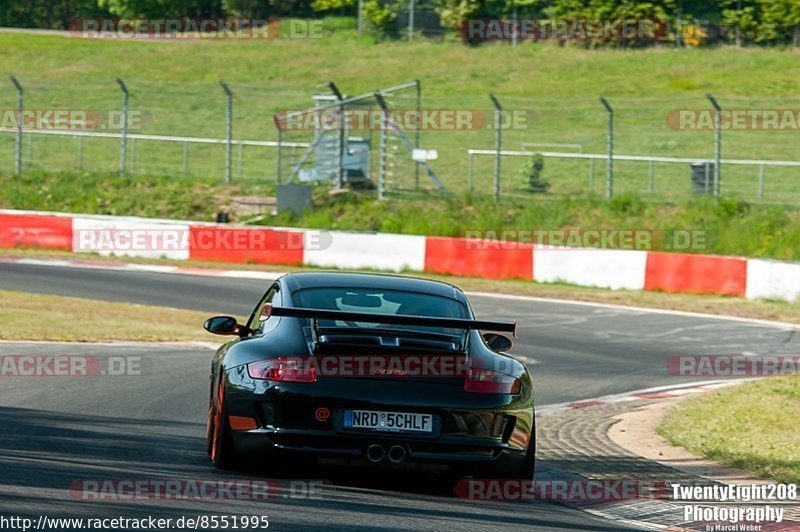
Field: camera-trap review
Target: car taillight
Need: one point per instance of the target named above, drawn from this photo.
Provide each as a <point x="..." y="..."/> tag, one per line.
<point x="485" y="381"/>
<point x="282" y="370"/>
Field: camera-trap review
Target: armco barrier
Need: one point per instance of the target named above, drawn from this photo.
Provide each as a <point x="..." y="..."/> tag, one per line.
<point x="461" y="256"/>
<point x="35" y="230"/>
<point x="631" y="269"/>
<point x="698" y="274"/>
<point x="607" y="268"/>
<point x="377" y="251"/>
<point x="773" y="279"/>
<point x="117" y="236"/>
<point x="242" y="244"/>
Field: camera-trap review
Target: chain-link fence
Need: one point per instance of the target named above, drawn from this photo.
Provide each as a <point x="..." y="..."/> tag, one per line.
<point x="180" y="129"/>
<point x="655" y="142"/>
<point x="192" y="113"/>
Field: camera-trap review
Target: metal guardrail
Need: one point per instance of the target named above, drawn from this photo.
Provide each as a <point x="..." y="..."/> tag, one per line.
<point x="578" y="147"/>
<point x="125" y="137"/>
<point x="644" y="158"/>
<point x="591" y="157"/>
<point x="165" y="138"/>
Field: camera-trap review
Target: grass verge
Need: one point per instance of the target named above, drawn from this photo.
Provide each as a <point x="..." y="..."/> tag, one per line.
<point x="752" y="427"/>
<point x="706" y="304"/>
<point x="174" y="90"/>
<point x="25" y="316"/>
<point x="724" y="227"/>
<point x="95" y="193"/>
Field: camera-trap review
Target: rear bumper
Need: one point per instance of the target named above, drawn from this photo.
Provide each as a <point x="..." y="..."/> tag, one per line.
<point x="325" y="443"/>
<point x="478" y="458"/>
<point x="306" y="420"/>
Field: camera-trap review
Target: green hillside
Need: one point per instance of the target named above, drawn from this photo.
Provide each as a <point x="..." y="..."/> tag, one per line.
<point x="174" y="85"/>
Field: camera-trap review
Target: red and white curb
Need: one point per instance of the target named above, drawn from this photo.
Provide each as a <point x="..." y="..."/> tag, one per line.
<point x="632" y="269"/>
<point x="659" y="392"/>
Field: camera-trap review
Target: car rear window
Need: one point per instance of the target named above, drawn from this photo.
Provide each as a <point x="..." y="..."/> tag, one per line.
<point x="376" y="301"/>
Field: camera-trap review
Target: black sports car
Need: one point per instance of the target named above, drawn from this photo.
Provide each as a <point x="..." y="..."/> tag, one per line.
<point x="375" y="370"/>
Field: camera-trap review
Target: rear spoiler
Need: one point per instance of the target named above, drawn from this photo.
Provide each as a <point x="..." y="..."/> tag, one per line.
<point x="422" y="321"/>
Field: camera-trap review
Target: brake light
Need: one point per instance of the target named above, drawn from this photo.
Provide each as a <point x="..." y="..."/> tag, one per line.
<point x="282" y="370"/>
<point x="485" y="381"/>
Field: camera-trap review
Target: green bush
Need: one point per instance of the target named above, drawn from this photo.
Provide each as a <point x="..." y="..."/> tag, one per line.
<point x="532" y="175"/>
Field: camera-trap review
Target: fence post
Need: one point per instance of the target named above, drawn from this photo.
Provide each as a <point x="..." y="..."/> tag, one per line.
<point x="133" y="155"/>
<point x="383" y="145"/>
<point x="610" y="160"/>
<point x="279" y="161"/>
<point x="18" y="159"/>
<point x="30" y="148"/>
<point x="717" y="143"/>
<point x="80" y="152"/>
<point x="761" y="181"/>
<point x="228" y="130"/>
<point x="470" y="160"/>
<point x="416" y="133"/>
<point x="411" y="20"/>
<point x="241" y="160"/>
<point x="342" y="139"/>
<point x="382" y="163"/>
<point x="498" y="141"/>
<point x="515" y="29"/>
<point x="650" y="184"/>
<point x="123" y="146"/>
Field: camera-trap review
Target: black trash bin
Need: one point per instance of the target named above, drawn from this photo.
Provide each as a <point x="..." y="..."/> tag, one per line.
<point x="295" y="198"/>
<point x="702" y="177"/>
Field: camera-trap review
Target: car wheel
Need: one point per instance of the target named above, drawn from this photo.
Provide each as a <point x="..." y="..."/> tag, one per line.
<point x="223" y="454"/>
<point x="523" y="471"/>
<point x="528" y="467"/>
<point x="210" y="426"/>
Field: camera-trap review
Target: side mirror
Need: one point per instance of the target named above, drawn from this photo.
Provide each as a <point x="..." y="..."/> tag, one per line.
<point x="497" y="342"/>
<point x="222" y="325"/>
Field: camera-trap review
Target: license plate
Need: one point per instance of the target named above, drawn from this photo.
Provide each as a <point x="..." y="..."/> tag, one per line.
<point x="388" y="421"/>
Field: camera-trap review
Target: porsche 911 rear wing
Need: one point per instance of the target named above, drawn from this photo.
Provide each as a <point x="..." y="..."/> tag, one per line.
<point x="394" y="319"/>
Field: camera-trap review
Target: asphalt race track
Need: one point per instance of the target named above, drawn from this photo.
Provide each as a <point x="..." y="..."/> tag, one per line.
<point x="579" y="351"/>
<point x="56" y="431"/>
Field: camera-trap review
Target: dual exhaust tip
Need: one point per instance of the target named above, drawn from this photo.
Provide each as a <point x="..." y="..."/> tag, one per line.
<point x="395" y="454"/>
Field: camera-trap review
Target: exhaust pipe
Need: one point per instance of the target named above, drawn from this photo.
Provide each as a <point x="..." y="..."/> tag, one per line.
<point x="375" y="453"/>
<point x="397" y="453"/>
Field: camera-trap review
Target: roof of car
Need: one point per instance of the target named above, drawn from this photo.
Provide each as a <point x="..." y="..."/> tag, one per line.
<point x="303" y="280"/>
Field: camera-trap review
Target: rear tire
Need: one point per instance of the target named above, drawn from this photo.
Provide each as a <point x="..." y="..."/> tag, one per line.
<point x="223" y="453"/>
<point x="523" y="471"/>
<point x="210" y="430"/>
<point x="528" y="468"/>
